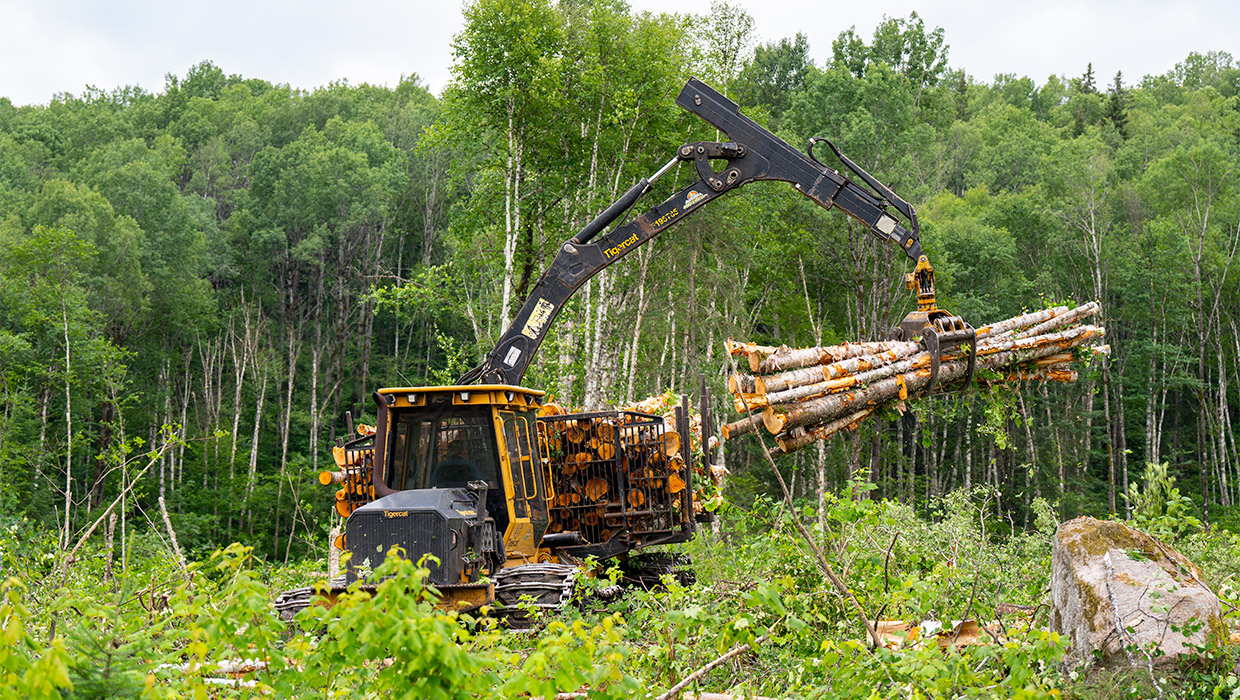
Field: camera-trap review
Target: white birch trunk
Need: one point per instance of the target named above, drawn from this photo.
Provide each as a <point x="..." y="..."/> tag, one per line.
<point x="258" y="421"/>
<point x="68" y="428"/>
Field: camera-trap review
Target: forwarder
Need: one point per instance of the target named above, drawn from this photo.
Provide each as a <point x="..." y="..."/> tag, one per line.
<point x="507" y="495"/>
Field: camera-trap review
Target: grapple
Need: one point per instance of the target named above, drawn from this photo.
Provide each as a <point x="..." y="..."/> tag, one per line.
<point x="940" y="331"/>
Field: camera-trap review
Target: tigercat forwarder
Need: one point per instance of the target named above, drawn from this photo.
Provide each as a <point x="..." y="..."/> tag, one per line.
<point x="509" y="495"/>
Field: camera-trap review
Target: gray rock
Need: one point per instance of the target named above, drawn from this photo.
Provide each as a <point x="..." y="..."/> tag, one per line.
<point x="1128" y="596"/>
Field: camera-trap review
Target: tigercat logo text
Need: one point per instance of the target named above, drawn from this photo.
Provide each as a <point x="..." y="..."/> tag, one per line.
<point x="620" y="247"/>
<point x="395" y="513"/>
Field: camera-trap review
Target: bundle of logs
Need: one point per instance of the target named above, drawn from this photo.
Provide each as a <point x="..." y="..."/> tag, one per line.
<point x="579" y="450"/>
<point x="803" y="395"/>
<point x="612" y="468"/>
<point x="664" y="405"/>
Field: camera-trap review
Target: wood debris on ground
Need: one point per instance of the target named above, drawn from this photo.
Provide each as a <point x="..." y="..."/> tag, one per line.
<point x="899" y="634"/>
<point x="803" y="395"/>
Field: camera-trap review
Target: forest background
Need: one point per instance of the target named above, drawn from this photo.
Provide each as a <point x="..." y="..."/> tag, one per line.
<point x="220" y="271"/>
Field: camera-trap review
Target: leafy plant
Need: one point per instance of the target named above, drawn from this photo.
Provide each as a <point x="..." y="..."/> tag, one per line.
<point x="1159" y="508"/>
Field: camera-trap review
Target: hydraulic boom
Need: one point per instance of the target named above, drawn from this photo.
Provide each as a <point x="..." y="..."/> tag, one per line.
<point x="752" y="154"/>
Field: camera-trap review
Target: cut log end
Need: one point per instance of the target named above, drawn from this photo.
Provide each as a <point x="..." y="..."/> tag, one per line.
<point x="772" y="421"/>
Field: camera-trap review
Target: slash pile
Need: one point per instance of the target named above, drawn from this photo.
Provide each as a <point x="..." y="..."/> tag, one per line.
<point x="803" y="395"/>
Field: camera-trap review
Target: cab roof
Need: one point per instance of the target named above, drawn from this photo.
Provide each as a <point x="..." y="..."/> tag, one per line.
<point x="462" y="387"/>
<point x="500" y="395"/>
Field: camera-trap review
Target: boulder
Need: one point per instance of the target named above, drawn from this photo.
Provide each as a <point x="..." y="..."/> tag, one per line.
<point x="1124" y="594"/>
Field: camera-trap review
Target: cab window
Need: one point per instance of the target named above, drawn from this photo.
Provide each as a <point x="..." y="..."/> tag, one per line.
<point x="446" y="447"/>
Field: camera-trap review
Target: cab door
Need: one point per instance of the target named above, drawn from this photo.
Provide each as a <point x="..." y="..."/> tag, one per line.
<point x="524" y="483"/>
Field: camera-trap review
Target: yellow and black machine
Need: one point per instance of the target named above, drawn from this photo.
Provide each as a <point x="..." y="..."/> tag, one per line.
<point x="509" y="496"/>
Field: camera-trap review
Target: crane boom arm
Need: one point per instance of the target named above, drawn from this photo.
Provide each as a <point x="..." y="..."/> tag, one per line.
<point x="752" y="154"/>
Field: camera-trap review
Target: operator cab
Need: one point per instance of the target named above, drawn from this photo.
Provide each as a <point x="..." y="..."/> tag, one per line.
<point x="446" y="437"/>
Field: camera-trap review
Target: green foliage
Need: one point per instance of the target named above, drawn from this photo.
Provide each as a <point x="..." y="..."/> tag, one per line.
<point x="758" y="585"/>
<point x="28" y="668"/>
<point x="1158" y="507"/>
<point x="249" y="260"/>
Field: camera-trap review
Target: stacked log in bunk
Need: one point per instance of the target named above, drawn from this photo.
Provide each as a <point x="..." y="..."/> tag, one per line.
<point x="708" y="482"/>
<point x="612" y="470"/>
<point x="802" y="395"/>
<point x="666" y="464"/>
<point x="354" y="462"/>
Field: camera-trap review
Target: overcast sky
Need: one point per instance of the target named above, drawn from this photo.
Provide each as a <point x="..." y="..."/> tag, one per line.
<point x="53" y="46"/>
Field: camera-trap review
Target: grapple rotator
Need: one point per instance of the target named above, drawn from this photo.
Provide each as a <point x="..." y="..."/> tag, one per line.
<point x="940" y="331"/>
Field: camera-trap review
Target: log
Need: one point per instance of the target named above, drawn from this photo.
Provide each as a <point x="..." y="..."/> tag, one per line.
<point x="1022" y="321"/>
<point x="675" y="484"/>
<point x="736" y="348"/>
<point x="742" y="383"/>
<point x="843" y="383"/>
<point x="783" y="381"/>
<point x="606" y="451"/>
<point x="800" y="437"/>
<point x="1049" y="374"/>
<point x="837" y="385"/>
<point x="637" y="499"/>
<point x="671" y="442"/>
<point x="809" y="394"/>
<point x="743" y="426"/>
<point x="744" y="402"/>
<point x="595" y="488"/>
<point x="790" y="358"/>
<point x="780" y="418"/>
<point x="1056" y="359"/>
<point x="550" y="409"/>
<point x="1062" y="320"/>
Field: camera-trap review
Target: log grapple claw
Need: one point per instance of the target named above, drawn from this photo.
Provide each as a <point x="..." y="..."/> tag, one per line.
<point x="940" y="331"/>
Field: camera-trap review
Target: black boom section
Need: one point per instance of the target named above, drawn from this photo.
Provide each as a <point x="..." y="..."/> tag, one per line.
<point x="572" y="267"/>
<point x="752" y="154"/>
<point x="812" y="179"/>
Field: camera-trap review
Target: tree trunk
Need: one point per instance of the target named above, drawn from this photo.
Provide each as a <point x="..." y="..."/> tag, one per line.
<point x="38" y="463"/>
<point x="1088" y="442"/>
<point x="64" y="311"/>
<point x="294" y="349"/>
<point x="1106" y="402"/>
<point x="263" y="373"/>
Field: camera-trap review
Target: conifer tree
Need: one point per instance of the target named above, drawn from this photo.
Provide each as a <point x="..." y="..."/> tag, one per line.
<point x="1117" y="106"/>
<point x="1087" y="80"/>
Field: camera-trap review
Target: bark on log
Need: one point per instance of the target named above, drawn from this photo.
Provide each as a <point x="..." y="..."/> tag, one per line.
<point x="742" y="384"/>
<point x="1062" y="320"/>
<point x="837" y="385"/>
<point x="780" y="418"/>
<point x="1017" y="322"/>
<point x="744" y="426"/>
<point x="737" y="348"/>
<point x="790" y="358"/>
<point x="797" y="438"/>
<point x="822" y="373"/>
<point x="809" y="394"/>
